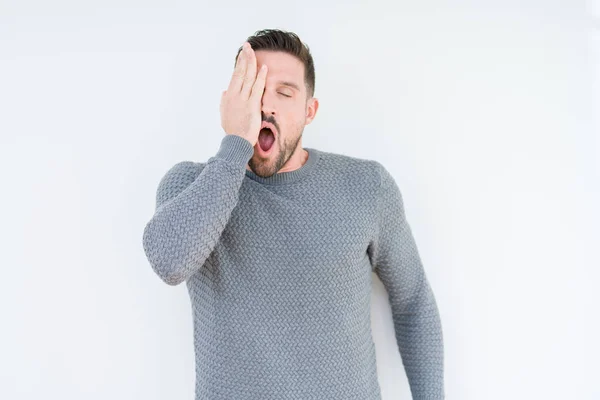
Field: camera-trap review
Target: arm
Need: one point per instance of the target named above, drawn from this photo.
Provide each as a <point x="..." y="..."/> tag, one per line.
<point x="417" y="322"/>
<point x="192" y="210"/>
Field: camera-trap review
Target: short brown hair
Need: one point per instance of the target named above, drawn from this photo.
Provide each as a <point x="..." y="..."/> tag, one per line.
<point x="287" y="42"/>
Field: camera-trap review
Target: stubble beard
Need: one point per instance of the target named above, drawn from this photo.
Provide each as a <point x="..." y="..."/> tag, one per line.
<point x="269" y="167"/>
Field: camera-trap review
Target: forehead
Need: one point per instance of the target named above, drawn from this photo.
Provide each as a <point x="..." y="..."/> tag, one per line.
<point x="282" y="66"/>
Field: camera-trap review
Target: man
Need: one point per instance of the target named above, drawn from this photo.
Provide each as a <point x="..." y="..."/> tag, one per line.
<point x="277" y="244"/>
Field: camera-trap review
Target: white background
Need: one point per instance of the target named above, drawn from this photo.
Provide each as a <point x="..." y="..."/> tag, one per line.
<point x="482" y="111"/>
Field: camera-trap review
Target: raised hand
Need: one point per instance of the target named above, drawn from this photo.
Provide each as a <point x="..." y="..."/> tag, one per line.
<point x="241" y="102"/>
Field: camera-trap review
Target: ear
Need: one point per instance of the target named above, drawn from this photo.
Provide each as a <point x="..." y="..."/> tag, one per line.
<point x="311" y="109"/>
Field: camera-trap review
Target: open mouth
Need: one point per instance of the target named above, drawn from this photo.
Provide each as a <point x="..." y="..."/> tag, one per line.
<point x="266" y="138"/>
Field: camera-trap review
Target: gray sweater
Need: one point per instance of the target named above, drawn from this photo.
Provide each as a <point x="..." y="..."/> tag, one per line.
<point x="279" y="275"/>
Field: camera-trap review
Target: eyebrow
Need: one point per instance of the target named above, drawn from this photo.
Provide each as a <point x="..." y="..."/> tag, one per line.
<point x="288" y="83"/>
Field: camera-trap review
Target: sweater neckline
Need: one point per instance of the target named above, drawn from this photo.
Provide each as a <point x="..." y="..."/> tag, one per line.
<point x="282" y="178"/>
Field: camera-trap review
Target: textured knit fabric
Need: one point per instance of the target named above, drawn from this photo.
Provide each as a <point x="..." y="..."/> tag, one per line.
<point x="279" y="273"/>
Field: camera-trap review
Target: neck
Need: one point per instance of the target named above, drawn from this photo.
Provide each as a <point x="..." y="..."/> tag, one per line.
<point x="297" y="160"/>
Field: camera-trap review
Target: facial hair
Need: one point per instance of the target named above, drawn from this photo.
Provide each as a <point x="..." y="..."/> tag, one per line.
<point x="269" y="167"/>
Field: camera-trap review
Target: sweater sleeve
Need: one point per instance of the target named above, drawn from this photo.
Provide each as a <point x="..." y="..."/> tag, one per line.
<point x="192" y="210"/>
<point x="417" y="323"/>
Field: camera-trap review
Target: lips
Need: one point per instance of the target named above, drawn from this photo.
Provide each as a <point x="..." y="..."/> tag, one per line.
<point x="265" y="140"/>
<point x="269" y="125"/>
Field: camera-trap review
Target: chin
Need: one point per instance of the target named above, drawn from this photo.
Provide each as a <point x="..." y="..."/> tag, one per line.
<point x="263" y="167"/>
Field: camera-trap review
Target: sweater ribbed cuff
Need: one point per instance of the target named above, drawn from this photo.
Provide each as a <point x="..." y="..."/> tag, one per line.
<point x="235" y="149"/>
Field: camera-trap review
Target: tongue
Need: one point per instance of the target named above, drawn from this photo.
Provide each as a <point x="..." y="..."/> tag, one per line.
<point x="265" y="139"/>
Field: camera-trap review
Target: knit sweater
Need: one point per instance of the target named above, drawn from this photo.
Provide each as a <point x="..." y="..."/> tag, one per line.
<point x="279" y="273"/>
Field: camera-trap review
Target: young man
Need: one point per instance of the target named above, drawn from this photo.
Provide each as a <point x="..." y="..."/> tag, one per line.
<point x="277" y="244"/>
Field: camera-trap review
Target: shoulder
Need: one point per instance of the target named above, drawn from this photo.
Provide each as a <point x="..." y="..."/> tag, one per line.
<point x="181" y="172"/>
<point x="176" y="179"/>
<point x="363" y="171"/>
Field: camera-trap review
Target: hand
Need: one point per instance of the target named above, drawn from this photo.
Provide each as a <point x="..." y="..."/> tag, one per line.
<point x="241" y="102"/>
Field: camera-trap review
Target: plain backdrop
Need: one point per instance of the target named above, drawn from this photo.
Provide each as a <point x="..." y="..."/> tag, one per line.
<point x="483" y="111"/>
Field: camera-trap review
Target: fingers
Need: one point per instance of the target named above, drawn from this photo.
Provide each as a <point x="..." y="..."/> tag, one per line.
<point x="239" y="73"/>
<point x="221" y="105"/>
<point x="259" y="85"/>
<point x="250" y="77"/>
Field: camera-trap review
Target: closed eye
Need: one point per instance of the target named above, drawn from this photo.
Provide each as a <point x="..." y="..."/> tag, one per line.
<point x="284" y="94"/>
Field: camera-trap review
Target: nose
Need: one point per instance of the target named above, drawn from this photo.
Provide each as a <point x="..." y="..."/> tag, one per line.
<point x="267" y="107"/>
